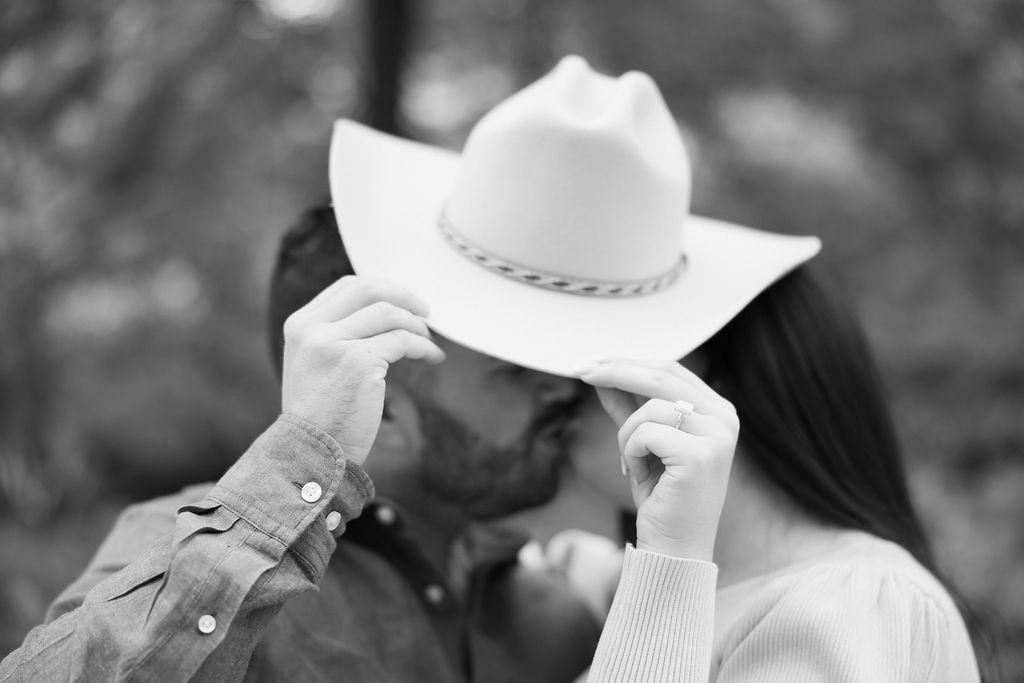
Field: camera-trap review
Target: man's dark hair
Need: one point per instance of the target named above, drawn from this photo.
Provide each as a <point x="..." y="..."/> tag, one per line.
<point x="310" y="257"/>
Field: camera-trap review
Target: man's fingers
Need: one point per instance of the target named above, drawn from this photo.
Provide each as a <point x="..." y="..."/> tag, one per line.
<point x="395" y="345"/>
<point x="351" y="293"/>
<point x="532" y="557"/>
<point x="378" y="318"/>
<point x="567" y="547"/>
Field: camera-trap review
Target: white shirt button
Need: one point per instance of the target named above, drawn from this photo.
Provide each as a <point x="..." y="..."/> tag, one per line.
<point x="333" y="520"/>
<point x="206" y="624"/>
<point x="312" y="492"/>
<point x="434" y="594"/>
<point x="386" y="515"/>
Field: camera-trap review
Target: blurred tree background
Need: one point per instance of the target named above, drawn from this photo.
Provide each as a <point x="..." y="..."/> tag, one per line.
<point x="152" y="152"/>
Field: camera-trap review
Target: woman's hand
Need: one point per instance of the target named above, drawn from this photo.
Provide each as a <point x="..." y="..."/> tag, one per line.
<point x="679" y="475"/>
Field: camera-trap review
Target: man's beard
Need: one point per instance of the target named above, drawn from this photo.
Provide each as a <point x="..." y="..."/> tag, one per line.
<point x="486" y="481"/>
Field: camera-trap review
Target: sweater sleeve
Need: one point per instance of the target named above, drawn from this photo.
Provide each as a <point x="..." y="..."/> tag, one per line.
<point x="661" y="623"/>
<point x="856" y="624"/>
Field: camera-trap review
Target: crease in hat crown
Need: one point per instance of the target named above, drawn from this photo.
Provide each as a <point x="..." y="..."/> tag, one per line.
<point x="579" y="175"/>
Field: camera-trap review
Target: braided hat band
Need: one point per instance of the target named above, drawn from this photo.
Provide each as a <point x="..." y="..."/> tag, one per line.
<point x="558" y="283"/>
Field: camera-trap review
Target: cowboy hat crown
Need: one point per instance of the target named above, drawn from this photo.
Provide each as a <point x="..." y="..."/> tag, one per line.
<point x="580" y="176"/>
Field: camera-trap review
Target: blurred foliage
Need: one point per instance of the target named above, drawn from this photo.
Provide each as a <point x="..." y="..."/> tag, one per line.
<point x="151" y="153"/>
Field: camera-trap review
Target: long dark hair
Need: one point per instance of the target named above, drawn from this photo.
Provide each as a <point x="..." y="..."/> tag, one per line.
<point x="814" y="415"/>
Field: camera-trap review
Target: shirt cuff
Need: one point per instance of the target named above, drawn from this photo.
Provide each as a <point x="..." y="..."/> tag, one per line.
<point x="290" y="478"/>
<point x="661" y="623"/>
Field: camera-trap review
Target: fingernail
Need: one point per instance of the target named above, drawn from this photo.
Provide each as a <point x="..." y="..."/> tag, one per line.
<point x="622" y="461"/>
<point x="585" y="368"/>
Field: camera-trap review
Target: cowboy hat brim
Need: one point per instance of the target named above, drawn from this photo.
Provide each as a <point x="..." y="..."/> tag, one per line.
<point x="388" y="193"/>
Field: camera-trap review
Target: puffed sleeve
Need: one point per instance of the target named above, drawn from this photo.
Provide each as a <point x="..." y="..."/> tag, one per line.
<point x="853" y="623"/>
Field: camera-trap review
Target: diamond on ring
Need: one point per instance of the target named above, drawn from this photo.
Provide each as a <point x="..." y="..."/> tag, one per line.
<point x="684" y="408"/>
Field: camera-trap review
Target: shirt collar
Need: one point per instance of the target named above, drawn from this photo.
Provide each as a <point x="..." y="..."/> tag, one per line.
<point x="477" y="552"/>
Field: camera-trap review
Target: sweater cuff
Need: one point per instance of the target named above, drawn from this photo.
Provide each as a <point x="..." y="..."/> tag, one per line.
<point x="661" y="624"/>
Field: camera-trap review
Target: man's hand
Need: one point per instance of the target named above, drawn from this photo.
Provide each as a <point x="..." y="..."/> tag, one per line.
<point x="337" y="351"/>
<point x="591" y="564"/>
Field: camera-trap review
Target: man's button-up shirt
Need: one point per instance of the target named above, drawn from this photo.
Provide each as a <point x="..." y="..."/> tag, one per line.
<point x="272" y="574"/>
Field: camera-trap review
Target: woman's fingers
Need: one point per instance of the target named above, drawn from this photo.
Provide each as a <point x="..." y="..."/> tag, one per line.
<point x="622" y="386"/>
<point x="667" y="413"/>
<point x="673" y="367"/>
<point x="652" y="446"/>
<point x="668" y="381"/>
<point x="680" y="486"/>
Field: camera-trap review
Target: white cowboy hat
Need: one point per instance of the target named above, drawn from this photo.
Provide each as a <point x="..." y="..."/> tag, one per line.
<point x="563" y="230"/>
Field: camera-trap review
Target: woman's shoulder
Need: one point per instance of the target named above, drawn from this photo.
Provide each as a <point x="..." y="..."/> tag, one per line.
<point x="873" y="571"/>
<point x="861" y="566"/>
<point x="872" y="597"/>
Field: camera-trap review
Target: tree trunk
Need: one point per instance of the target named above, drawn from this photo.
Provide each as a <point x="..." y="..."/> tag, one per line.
<point x="389" y="47"/>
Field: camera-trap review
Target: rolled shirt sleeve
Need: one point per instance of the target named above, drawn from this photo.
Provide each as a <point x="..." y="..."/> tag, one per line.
<point x="194" y="604"/>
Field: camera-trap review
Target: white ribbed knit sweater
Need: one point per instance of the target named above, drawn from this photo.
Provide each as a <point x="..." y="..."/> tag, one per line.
<point x="869" y="613"/>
